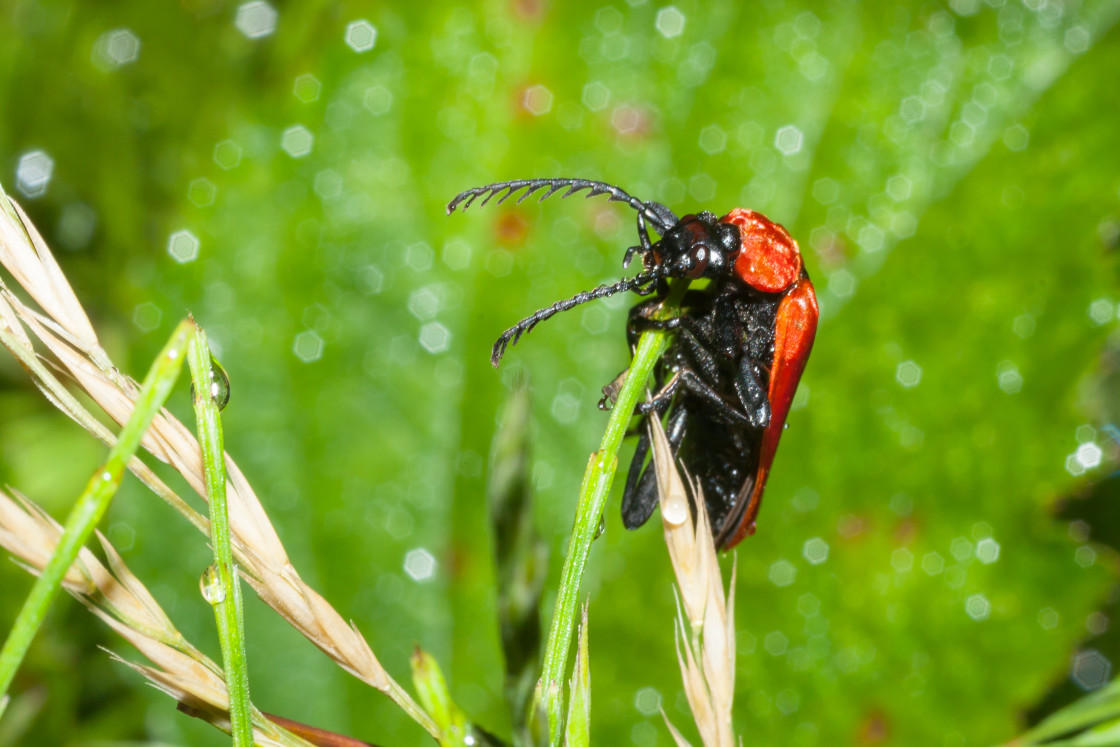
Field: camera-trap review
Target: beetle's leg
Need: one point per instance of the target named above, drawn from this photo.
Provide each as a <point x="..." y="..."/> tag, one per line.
<point x="611" y="390"/>
<point x="695" y="336"/>
<point x="752" y="394"/>
<point x="640" y="495"/>
<point x="636" y="318"/>
<point x="661" y="400"/>
<point x="630" y="252"/>
<point x="728" y="411"/>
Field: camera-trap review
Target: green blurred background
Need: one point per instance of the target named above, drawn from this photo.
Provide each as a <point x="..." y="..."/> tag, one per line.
<point x="933" y="562"/>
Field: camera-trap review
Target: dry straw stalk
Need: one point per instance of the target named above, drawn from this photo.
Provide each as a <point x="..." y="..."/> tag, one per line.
<point x="63" y="328"/>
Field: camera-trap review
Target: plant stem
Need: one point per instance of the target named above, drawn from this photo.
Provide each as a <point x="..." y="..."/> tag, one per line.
<point x="93" y="503"/>
<point x="593" y="493"/>
<point x="220" y="583"/>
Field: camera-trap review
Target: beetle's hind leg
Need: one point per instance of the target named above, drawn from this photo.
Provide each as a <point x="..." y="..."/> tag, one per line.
<point x="640" y="495"/>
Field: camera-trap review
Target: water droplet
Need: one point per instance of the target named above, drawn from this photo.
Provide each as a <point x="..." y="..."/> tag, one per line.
<point x="211" y="586"/>
<point x="674" y="510"/>
<point x="219" y="384"/>
<point x="602" y="527"/>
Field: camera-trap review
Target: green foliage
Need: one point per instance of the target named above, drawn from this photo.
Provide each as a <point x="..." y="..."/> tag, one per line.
<point x="950" y="173"/>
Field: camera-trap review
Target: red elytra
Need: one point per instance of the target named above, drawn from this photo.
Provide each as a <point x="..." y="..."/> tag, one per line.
<point x="769" y="259"/>
<point x="794" y="330"/>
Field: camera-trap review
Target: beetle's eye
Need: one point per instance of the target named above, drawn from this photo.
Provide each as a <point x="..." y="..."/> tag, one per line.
<point x="699" y="261"/>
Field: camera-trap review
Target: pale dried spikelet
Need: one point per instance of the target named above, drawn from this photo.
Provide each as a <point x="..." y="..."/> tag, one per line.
<point x="66" y="332"/>
<point x="704" y="631"/>
<point x="687" y="544"/>
<point x="119" y="598"/>
<point x="25" y="254"/>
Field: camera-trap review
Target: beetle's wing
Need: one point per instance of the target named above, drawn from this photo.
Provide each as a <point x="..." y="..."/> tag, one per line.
<point x="794" y="330"/>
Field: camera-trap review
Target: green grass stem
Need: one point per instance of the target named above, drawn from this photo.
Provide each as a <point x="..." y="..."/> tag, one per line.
<point x="593" y="493"/>
<point x="220" y="583"/>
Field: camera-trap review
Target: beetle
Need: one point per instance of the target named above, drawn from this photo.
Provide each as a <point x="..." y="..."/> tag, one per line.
<point x="727" y="379"/>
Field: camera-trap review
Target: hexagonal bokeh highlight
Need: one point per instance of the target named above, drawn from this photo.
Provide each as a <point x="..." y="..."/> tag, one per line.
<point x="308" y="346"/>
<point x="898" y="187"/>
<point x="147" y="316"/>
<point x="1016" y="137"/>
<point x="1090" y="669"/>
<point x="596" y="96"/>
<point x="808" y="605"/>
<point x="815" y="551"/>
<point x="1088" y="455"/>
<point x="908" y="374"/>
<point x="307" y="88"/>
<point x="419" y="564"/>
<point x="361" y="35"/>
<point x="1085" y="556"/>
<point x="435" y="338"/>
<point x="297" y="141"/>
<point x="902" y="560"/>
<point x="371" y="279"/>
<point x="255" y="19"/>
<point x="328" y="184"/>
<point x="961" y="548"/>
<point x="537" y="100"/>
<point x="987" y="551"/>
<point x="227" y="154"/>
<point x="183" y="246"/>
<point x="202" y="192"/>
<point x="1048" y="618"/>
<point x="782" y="573"/>
<point x="670" y="22"/>
<point x="978" y="607"/>
<point x="116" y="48"/>
<point x="419" y="256"/>
<point x="788" y="140"/>
<point x="713" y="139"/>
<point x="1008" y="377"/>
<point x="1097" y="623"/>
<point x="912" y="109"/>
<point x="423" y="303"/>
<point x="933" y="563"/>
<point x="776" y="643"/>
<point x="842" y="283"/>
<point x="378" y="100"/>
<point x="33" y="173"/>
<point x="647" y="701"/>
<point x="1100" y="311"/>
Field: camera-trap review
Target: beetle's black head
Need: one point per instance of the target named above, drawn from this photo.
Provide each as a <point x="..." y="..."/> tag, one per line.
<point x="698" y="246"/>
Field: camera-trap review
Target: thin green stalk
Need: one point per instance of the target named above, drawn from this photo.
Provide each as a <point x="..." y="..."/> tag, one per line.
<point x="93" y="502"/>
<point x="577" y="730"/>
<point x="1087" y="713"/>
<point x="589" y="511"/>
<point x="220" y="583"/>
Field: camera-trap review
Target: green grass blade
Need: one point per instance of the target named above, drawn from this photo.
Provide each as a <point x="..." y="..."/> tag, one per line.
<point x="220" y="585"/>
<point x="1095" y="708"/>
<point x="431" y="687"/>
<point x="520" y="557"/>
<point x="93" y="502"/>
<point x="592" y="498"/>
<point x="577" y="730"/>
